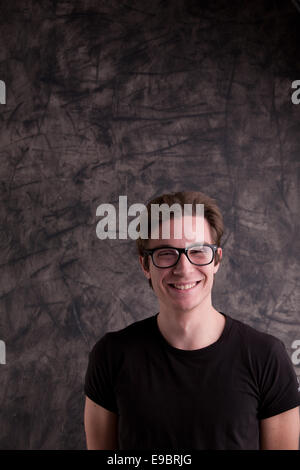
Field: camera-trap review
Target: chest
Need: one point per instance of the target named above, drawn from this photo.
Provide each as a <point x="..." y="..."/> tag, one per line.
<point x="160" y="387"/>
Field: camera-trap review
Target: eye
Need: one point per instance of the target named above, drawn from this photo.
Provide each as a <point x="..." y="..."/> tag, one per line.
<point x="161" y="253"/>
<point x="201" y="254"/>
<point x="197" y="250"/>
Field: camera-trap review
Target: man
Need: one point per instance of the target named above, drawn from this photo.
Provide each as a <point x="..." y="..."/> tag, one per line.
<point x="189" y="377"/>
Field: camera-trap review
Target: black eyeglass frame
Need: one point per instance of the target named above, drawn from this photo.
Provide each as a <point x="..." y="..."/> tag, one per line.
<point x="180" y="252"/>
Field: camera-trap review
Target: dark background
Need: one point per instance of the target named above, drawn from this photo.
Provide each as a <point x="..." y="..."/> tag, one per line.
<point x="136" y="98"/>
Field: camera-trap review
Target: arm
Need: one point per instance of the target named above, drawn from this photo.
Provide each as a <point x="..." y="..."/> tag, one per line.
<point x="280" y="432"/>
<point x="101" y="427"/>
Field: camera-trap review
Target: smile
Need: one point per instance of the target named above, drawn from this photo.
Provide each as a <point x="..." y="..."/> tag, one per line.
<point x="184" y="287"/>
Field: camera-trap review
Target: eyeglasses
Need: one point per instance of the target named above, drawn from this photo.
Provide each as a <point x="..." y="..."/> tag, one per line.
<point x="168" y="256"/>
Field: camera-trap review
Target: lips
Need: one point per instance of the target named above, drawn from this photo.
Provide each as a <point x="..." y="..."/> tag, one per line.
<point x="184" y="286"/>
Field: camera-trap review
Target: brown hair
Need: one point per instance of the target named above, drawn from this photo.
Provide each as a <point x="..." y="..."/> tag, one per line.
<point x="211" y="213"/>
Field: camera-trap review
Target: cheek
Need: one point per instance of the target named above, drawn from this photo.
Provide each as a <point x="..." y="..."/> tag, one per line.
<point x="153" y="276"/>
<point x="208" y="273"/>
<point x="157" y="277"/>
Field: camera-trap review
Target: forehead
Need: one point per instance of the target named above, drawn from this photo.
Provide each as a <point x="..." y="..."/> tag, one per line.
<point x="181" y="232"/>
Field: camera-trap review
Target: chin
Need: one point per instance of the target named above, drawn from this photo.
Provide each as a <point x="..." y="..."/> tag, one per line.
<point x="185" y="306"/>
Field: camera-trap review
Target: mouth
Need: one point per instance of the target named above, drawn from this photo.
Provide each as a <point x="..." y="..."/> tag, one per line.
<point x="183" y="287"/>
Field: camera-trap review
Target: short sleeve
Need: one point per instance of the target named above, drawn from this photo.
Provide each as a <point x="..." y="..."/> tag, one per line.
<point x="279" y="388"/>
<point x="98" y="384"/>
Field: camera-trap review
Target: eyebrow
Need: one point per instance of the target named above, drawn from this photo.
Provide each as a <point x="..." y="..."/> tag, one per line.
<point x="171" y="246"/>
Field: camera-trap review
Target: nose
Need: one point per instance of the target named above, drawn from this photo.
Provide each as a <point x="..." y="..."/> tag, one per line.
<point x="183" y="265"/>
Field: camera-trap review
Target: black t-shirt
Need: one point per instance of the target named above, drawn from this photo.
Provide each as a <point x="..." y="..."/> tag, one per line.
<point x="210" y="398"/>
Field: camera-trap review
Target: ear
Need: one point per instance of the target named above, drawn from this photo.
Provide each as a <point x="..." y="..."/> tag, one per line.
<point x="147" y="273"/>
<point x="220" y="253"/>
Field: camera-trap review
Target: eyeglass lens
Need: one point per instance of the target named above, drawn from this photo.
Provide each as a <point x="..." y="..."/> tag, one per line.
<point x="200" y="255"/>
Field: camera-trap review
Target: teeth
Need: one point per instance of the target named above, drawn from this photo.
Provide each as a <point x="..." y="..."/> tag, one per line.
<point x="185" y="286"/>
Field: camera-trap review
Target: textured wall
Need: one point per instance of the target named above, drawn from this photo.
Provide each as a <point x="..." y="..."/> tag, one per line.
<point x="109" y="98"/>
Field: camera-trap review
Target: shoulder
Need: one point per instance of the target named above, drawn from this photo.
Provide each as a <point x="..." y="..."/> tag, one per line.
<point x="259" y="343"/>
<point x="265" y="354"/>
<point x="251" y="334"/>
<point x="128" y="337"/>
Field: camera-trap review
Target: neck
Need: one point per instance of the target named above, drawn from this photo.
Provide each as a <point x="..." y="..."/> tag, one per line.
<point x="194" y="329"/>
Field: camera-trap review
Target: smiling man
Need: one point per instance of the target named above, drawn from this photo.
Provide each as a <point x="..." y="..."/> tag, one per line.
<point x="189" y="377"/>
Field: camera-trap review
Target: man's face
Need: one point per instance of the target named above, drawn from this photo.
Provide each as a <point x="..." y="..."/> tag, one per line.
<point x="184" y="272"/>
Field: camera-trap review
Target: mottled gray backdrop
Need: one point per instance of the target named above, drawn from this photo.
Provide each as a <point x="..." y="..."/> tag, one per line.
<point x="136" y="98"/>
